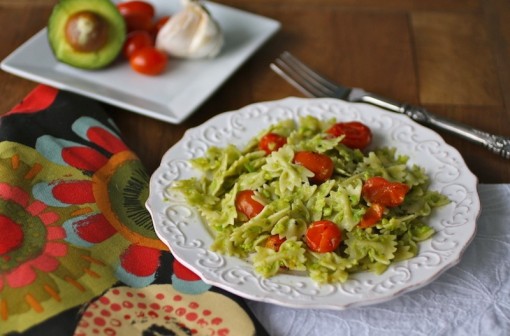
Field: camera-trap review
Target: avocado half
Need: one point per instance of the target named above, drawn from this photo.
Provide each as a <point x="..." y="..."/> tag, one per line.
<point x="87" y="34"/>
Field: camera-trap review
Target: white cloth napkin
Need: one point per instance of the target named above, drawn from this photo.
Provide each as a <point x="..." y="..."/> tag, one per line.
<point x="472" y="298"/>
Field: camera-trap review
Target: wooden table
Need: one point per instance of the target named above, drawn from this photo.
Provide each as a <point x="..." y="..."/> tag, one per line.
<point x="452" y="57"/>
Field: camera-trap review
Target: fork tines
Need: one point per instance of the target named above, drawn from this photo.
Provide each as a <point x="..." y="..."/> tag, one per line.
<point x="302" y="77"/>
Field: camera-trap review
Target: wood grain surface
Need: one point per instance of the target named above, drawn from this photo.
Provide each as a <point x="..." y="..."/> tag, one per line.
<point x="453" y="57"/>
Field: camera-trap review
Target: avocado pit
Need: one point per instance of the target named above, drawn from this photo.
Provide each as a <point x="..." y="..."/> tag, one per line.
<point x="86" y="31"/>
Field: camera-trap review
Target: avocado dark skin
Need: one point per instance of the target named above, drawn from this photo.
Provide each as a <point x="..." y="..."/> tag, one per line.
<point x="87" y="34"/>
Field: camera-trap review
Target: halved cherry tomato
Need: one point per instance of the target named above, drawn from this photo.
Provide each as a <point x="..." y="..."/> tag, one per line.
<point x="357" y="135"/>
<point x="381" y="191"/>
<point x="135" y="41"/>
<point x="272" y="142"/>
<point x="373" y="215"/>
<point x="148" y="61"/>
<point x="136" y="7"/>
<point x="323" y="236"/>
<point x="319" y="164"/>
<point x="246" y="205"/>
<point x="274" y="242"/>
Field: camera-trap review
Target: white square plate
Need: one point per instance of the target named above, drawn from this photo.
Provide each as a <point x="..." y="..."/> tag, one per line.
<point x="171" y="96"/>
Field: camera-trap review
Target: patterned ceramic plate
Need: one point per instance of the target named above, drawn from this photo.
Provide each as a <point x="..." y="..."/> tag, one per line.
<point x="181" y="228"/>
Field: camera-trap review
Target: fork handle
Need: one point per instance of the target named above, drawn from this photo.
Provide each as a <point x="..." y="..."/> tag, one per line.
<point x="495" y="143"/>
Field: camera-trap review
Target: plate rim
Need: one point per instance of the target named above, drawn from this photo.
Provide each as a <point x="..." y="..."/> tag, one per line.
<point x="153" y="194"/>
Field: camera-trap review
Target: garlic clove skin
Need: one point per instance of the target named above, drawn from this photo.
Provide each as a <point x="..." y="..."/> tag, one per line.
<point x="191" y="33"/>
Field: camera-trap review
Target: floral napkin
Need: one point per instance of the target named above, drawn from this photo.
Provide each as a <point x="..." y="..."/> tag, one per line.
<point x="74" y="231"/>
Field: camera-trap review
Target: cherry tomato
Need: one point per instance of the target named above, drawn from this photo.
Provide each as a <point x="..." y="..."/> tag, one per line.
<point x="138" y="21"/>
<point x="381" y="191"/>
<point x="246" y="205"/>
<point x="323" y="236"/>
<point x="373" y="215"/>
<point x="274" y="242"/>
<point x="319" y="164"/>
<point x="135" y="41"/>
<point x="272" y="142"/>
<point x="136" y="7"/>
<point x="357" y="135"/>
<point x="138" y="15"/>
<point x="148" y="61"/>
<point x="156" y="27"/>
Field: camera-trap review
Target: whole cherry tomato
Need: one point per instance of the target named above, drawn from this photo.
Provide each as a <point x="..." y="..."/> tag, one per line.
<point x="136" y="22"/>
<point x="319" y="164"/>
<point x="159" y="24"/>
<point x="272" y="142"/>
<point x="136" y="7"/>
<point x="274" y="242"/>
<point x="357" y="135"/>
<point x="373" y="215"/>
<point x="246" y="205"/>
<point x="323" y="236"/>
<point x="381" y="191"/>
<point x="135" y="41"/>
<point x="138" y="15"/>
<point x="148" y="61"/>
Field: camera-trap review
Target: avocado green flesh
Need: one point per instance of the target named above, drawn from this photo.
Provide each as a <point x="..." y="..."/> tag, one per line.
<point x="65" y="53"/>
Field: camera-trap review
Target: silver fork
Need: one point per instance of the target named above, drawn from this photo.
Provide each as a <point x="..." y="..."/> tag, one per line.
<point x="313" y="84"/>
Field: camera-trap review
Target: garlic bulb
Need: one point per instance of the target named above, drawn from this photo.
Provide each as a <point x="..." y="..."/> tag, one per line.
<point x="191" y="33"/>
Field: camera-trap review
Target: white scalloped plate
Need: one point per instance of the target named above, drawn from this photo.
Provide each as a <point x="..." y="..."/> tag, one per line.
<point x="181" y="228"/>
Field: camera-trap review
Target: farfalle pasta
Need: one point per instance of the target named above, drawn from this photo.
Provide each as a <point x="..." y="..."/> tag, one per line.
<point x="276" y="238"/>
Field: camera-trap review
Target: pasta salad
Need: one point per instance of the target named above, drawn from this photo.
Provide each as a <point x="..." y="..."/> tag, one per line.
<point x="309" y="196"/>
